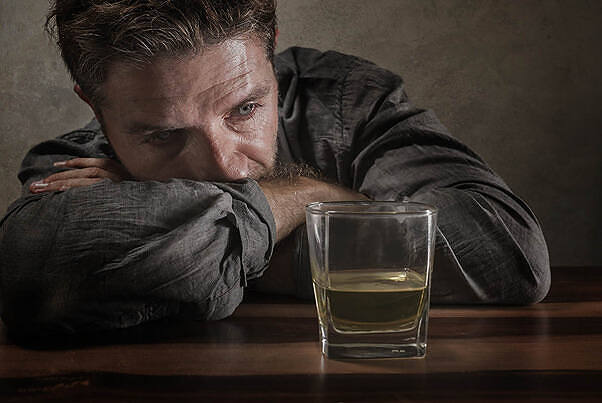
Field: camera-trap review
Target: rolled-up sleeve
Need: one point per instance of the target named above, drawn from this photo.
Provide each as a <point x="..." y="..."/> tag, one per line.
<point x="114" y="255"/>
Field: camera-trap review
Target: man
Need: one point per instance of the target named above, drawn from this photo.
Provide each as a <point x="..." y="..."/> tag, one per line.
<point x="190" y="183"/>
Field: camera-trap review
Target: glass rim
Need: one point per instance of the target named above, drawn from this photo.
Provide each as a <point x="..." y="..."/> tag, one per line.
<point x="420" y="209"/>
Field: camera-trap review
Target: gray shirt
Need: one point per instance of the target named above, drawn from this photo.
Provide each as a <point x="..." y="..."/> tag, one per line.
<point x="114" y="255"/>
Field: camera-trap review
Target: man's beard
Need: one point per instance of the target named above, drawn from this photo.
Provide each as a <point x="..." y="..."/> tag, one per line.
<point x="279" y="169"/>
<point x="289" y="170"/>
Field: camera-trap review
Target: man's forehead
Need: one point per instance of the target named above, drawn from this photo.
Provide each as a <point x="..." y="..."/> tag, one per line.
<point x="218" y="69"/>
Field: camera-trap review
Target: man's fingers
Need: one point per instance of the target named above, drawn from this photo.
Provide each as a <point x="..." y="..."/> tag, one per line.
<point x="103" y="163"/>
<point x="60" y="185"/>
<point x="85" y="163"/>
<point x="85" y="171"/>
<point x="73" y="178"/>
<point x="91" y="172"/>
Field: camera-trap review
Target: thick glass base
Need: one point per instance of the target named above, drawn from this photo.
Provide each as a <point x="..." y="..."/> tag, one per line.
<point x="393" y="343"/>
<point x="342" y="351"/>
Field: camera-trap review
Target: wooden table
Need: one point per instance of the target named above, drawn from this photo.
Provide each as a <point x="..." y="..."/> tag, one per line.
<point x="268" y="351"/>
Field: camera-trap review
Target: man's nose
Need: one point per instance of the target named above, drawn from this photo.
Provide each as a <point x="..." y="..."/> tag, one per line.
<point x="225" y="161"/>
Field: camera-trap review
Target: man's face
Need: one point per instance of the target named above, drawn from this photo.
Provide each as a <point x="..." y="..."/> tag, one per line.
<point x="212" y="116"/>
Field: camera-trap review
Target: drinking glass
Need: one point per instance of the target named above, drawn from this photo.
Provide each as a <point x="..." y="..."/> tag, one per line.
<point x="371" y="266"/>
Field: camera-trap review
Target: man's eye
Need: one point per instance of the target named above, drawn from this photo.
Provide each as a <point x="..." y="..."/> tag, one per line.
<point x="158" y="137"/>
<point x="246" y="110"/>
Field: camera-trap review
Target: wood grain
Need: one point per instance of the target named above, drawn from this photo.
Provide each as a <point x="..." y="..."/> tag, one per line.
<point x="268" y="351"/>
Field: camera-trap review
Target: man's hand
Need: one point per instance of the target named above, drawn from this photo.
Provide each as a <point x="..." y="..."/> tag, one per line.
<point x="86" y="171"/>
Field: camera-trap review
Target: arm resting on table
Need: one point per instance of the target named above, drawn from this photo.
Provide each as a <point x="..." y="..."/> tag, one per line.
<point x="114" y="255"/>
<point x="490" y="247"/>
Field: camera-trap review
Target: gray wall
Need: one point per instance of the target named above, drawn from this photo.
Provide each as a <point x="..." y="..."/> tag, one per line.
<point x="518" y="81"/>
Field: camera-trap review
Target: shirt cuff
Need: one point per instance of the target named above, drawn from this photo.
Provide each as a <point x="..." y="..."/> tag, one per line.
<point x="252" y="209"/>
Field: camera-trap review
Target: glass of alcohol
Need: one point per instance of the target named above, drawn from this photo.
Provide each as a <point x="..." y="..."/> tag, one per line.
<point x="371" y="266"/>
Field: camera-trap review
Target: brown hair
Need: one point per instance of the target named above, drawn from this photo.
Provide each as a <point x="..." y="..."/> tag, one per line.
<point x="92" y="34"/>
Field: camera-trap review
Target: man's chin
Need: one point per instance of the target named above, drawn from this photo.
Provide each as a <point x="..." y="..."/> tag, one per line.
<point x="260" y="174"/>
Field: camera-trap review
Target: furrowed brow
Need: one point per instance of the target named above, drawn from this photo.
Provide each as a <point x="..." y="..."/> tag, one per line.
<point x="242" y="96"/>
<point x="259" y="92"/>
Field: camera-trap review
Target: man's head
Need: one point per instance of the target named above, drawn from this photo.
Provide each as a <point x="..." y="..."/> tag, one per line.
<point x="183" y="88"/>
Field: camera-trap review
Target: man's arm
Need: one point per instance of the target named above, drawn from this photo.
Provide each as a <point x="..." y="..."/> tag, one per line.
<point x="287" y="199"/>
<point x="83" y="253"/>
<point x="113" y="255"/>
<point x="490" y="247"/>
<point x="353" y="121"/>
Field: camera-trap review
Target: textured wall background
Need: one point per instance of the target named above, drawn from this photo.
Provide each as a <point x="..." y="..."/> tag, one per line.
<point x="518" y="81"/>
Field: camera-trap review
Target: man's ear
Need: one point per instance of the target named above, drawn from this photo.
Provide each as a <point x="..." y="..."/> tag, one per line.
<point x="276" y="37"/>
<point x="84" y="98"/>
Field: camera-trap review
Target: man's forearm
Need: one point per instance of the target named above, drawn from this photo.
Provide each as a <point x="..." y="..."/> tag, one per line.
<point x="288" y="197"/>
<point x="117" y="254"/>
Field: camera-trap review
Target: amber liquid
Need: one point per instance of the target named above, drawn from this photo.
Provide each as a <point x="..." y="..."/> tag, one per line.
<point x="367" y="301"/>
